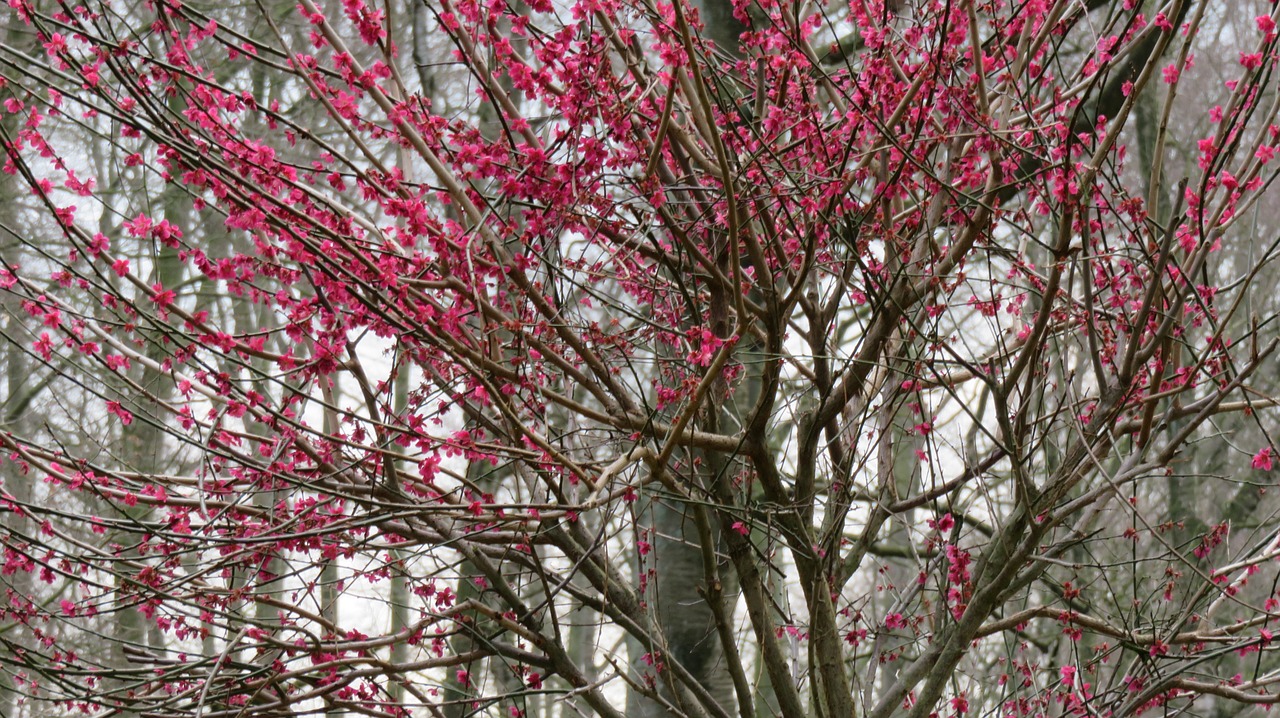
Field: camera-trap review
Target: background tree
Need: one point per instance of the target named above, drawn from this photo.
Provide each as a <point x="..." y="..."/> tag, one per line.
<point x="523" y="358"/>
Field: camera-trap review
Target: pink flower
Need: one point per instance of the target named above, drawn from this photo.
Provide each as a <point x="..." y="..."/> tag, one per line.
<point x="1170" y="74"/>
<point x="98" y="244"/>
<point x="162" y="297"/>
<point x="1265" y="24"/>
<point x="703" y="355"/>
<point x="943" y="524"/>
<point x="125" y="417"/>
<point x="139" y="226"/>
<point x="56" y="44"/>
<point x="44" y="345"/>
<point x="958" y="573"/>
<point x="1262" y="459"/>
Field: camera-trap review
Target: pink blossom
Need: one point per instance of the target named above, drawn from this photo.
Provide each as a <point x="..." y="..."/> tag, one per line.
<point x="139" y="226"/>
<point x="123" y="414"/>
<point x="162" y="297"/>
<point x="56" y="44"/>
<point x="943" y="524"/>
<point x="44" y="346"/>
<point x="1262" y="459"/>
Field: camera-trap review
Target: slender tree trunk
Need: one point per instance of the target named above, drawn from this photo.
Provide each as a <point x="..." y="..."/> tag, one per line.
<point x="146" y="450"/>
<point x="17" y="385"/>
<point x="400" y="597"/>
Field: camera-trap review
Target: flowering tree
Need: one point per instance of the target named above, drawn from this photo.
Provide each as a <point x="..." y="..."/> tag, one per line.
<point x="633" y="358"/>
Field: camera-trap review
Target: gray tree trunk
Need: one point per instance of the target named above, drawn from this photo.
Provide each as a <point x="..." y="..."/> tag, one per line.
<point x="688" y="551"/>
